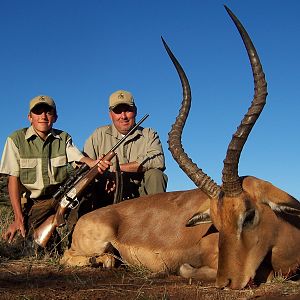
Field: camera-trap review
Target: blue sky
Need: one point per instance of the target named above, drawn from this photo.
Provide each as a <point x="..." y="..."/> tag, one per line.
<point x="80" y="51"/>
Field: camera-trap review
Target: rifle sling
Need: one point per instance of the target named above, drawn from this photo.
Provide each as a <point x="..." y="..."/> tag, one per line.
<point x="119" y="183"/>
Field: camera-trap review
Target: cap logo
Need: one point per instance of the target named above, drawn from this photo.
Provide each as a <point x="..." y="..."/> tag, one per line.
<point x="121" y="96"/>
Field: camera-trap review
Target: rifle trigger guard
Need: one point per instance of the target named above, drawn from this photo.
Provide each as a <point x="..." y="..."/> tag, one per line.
<point x="74" y="203"/>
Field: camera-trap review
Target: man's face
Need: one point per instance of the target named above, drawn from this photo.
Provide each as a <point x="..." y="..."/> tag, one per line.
<point x="42" y="118"/>
<point x="123" y="117"/>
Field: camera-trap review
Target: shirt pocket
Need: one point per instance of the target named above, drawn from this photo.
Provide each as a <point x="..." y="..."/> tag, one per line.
<point x="59" y="168"/>
<point x="28" y="170"/>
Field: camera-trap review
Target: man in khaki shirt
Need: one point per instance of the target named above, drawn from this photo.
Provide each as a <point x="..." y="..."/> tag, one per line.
<point x="36" y="159"/>
<point x="141" y="156"/>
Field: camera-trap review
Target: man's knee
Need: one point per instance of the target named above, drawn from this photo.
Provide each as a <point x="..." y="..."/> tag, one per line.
<point x="155" y="181"/>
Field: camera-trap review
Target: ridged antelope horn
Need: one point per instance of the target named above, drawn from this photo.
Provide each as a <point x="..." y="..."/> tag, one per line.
<point x="201" y="180"/>
<point x="232" y="185"/>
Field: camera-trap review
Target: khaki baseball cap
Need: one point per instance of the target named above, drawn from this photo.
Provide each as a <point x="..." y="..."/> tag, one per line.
<point x="41" y="99"/>
<point x="120" y="97"/>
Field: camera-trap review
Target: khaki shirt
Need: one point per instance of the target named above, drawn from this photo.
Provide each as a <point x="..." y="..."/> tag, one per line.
<point x="41" y="165"/>
<point x="143" y="146"/>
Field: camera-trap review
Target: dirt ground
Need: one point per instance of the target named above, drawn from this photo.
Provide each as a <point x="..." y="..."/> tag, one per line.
<point x="34" y="279"/>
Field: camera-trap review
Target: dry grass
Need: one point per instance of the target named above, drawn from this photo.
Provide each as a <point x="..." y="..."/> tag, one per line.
<point x="21" y="248"/>
<point x="24" y="275"/>
<point x="6" y="217"/>
<point x="31" y="279"/>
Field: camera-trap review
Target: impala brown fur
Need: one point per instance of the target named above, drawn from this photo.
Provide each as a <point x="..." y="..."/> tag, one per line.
<point x="149" y="231"/>
<point x="258" y="223"/>
<point x="258" y="236"/>
<point x="255" y="231"/>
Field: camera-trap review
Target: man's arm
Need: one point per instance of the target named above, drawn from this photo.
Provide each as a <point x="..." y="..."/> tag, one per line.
<point x="74" y="154"/>
<point x="148" y="151"/>
<point x="90" y="162"/>
<point x="132" y="167"/>
<point x="152" y="157"/>
<point x="15" y="199"/>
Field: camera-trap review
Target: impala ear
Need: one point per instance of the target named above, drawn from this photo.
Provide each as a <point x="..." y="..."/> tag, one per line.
<point x="266" y="193"/>
<point x="288" y="211"/>
<point x="291" y="208"/>
<point x="280" y="201"/>
<point x="199" y="218"/>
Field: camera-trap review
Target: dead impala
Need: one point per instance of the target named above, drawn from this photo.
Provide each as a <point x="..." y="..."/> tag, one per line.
<point x="255" y="226"/>
<point x="258" y="223"/>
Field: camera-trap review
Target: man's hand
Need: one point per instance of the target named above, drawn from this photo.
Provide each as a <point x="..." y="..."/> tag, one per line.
<point x="103" y="165"/>
<point x="17" y="225"/>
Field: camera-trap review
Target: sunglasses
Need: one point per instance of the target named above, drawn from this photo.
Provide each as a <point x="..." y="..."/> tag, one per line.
<point x="39" y="109"/>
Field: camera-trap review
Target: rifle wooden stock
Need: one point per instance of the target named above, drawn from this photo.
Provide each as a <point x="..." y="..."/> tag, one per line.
<point x="43" y="233"/>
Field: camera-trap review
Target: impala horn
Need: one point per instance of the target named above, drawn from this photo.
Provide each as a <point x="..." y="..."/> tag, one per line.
<point x="232" y="185"/>
<point x="201" y="180"/>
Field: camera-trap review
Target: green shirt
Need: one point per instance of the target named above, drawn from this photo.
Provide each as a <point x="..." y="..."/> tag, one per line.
<point x="41" y="165"/>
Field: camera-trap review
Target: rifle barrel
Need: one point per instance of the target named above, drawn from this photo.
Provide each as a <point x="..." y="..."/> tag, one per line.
<point x="45" y="230"/>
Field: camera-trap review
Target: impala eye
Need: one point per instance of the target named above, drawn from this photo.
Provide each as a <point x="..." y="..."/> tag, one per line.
<point x="249" y="218"/>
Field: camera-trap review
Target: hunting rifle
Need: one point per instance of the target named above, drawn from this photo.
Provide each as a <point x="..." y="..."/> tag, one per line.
<point x="68" y="193"/>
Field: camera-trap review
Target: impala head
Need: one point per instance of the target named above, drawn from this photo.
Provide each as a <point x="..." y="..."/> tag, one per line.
<point x="240" y="207"/>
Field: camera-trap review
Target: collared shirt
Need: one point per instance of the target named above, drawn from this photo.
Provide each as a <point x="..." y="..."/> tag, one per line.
<point x="143" y="146"/>
<point x="40" y="164"/>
